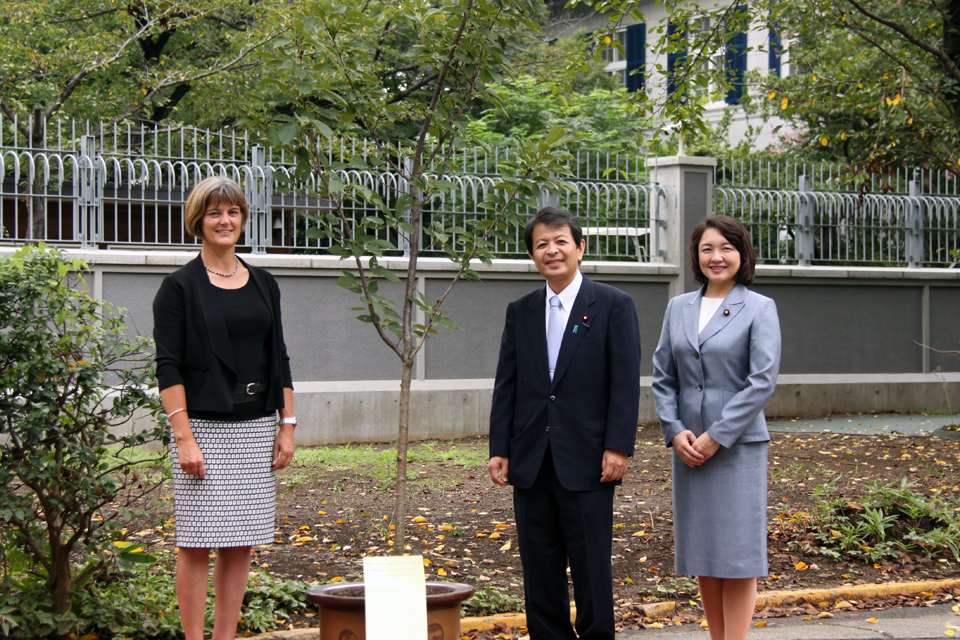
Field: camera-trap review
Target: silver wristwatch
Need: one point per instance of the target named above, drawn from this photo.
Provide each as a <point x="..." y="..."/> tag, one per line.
<point x="292" y="421"/>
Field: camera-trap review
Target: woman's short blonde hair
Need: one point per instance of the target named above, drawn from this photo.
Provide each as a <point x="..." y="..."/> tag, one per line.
<point x="212" y="191"/>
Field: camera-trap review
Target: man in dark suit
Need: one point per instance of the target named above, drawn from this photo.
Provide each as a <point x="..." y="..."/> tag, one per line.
<point x="562" y="425"/>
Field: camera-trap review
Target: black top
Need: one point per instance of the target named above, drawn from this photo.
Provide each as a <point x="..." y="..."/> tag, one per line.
<point x="193" y="340"/>
<point x="248" y="327"/>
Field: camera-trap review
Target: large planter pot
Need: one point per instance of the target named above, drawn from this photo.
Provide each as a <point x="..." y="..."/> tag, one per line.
<point x="342" y="610"/>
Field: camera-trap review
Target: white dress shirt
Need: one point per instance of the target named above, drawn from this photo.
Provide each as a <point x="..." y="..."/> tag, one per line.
<point x="567" y="297"/>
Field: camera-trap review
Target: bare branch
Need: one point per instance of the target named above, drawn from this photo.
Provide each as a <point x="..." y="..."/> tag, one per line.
<point x="89" y="16"/>
<point x="13" y="116"/>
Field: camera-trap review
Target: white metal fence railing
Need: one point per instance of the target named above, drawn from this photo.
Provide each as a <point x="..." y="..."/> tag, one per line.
<point x="124" y="186"/>
<point x="96" y="198"/>
<point x="805" y="227"/>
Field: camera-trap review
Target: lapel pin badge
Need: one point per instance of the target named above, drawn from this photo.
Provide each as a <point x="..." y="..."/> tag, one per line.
<point x="585" y="318"/>
<point x="726" y="312"/>
<point x="575" y="328"/>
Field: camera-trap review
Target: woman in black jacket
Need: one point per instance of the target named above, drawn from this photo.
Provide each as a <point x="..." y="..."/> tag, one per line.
<point x="224" y="375"/>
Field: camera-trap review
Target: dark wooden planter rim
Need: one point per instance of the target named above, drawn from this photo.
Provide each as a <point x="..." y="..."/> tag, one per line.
<point x="329" y="595"/>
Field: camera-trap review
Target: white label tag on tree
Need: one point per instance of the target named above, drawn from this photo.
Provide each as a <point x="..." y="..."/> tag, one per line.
<point x="396" y="598"/>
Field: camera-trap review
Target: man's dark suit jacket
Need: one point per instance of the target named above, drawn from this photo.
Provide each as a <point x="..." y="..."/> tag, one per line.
<point x="591" y="405"/>
<point x="193" y="347"/>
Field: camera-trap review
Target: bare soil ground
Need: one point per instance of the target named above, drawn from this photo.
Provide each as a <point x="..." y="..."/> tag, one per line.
<point x="464" y="527"/>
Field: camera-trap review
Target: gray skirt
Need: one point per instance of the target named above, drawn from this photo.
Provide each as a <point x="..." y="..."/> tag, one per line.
<point x="235" y="503"/>
<point x="720" y="513"/>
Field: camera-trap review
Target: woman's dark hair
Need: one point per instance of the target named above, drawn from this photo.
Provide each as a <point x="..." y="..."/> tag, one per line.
<point x="736" y="234"/>
<point x="553" y="218"/>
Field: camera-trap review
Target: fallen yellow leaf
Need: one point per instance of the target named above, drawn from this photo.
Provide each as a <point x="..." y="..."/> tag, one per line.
<point x="494" y="535"/>
<point x="762" y="623"/>
<point x="872" y="620"/>
<point x="655" y="625"/>
<point x="441" y="571"/>
<point x="419" y="519"/>
<point x="506" y="547"/>
<point x="427" y="562"/>
<point x="800" y="566"/>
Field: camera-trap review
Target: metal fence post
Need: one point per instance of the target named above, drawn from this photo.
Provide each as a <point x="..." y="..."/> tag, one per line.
<point x="403" y="242"/>
<point x="259" y="195"/>
<point x="547" y="199"/>
<point x="806" y="210"/>
<point x="914" y="223"/>
<point x="88" y="223"/>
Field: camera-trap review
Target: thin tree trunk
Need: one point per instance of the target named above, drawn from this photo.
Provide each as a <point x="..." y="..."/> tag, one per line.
<point x="62" y="587"/>
<point x="400" y="512"/>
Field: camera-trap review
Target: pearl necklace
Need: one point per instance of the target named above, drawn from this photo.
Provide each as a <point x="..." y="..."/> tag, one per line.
<point x="224" y="275"/>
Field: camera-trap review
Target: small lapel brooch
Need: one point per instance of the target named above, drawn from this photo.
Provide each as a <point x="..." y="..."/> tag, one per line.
<point x="726" y="312"/>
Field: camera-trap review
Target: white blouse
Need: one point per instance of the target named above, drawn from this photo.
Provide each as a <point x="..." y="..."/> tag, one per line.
<point x="708" y="307"/>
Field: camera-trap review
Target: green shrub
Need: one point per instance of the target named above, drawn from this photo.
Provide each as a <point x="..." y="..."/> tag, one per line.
<point x="69" y="375"/>
<point x="887" y="521"/>
<point x="139" y="603"/>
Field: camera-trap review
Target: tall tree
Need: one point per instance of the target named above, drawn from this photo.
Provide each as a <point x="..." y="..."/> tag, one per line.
<point x="876" y="83"/>
<point x="136" y="61"/>
<point x="113" y="61"/>
<point x="402" y="76"/>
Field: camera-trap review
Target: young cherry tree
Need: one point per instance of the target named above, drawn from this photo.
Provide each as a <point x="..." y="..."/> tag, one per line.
<point x="401" y="77"/>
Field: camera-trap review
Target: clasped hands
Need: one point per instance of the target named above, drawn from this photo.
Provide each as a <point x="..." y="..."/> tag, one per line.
<point x="694" y="450"/>
<point x="614" y="467"/>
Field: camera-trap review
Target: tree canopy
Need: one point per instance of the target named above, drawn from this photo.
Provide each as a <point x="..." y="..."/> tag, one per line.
<point x="144" y="61"/>
<point x="874" y="83"/>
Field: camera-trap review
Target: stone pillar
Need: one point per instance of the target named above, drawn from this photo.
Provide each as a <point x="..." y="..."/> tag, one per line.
<point x="689" y="182"/>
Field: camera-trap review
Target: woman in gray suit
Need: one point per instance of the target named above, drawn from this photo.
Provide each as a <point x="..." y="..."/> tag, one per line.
<point x="714" y="369"/>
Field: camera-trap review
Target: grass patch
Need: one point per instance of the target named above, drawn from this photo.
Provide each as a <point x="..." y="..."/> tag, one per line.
<point x="140" y="458"/>
<point x="381" y="464"/>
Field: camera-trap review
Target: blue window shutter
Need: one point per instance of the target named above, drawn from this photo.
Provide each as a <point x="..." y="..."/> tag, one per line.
<point x="736" y="65"/>
<point x="636" y="57"/>
<point x="674" y="60"/>
<point x="773" y="53"/>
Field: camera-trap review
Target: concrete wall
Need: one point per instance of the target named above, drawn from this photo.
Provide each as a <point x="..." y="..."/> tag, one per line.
<point x="851" y="338"/>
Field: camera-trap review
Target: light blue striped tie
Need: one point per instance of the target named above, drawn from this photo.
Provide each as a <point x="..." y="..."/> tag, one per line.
<point x="554" y="334"/>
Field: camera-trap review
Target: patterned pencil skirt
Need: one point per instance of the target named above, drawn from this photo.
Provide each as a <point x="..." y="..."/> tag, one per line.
<point x="235" y="503"/>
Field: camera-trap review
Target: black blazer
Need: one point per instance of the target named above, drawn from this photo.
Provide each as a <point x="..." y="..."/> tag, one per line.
<point x="193" y="348"/>
<point x="591" y="405"/>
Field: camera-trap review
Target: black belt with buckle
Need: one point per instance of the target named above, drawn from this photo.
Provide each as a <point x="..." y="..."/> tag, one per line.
<point x="249" y="392"/>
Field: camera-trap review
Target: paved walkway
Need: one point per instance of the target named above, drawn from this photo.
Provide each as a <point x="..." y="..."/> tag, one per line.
<point x="869" y="424"/>
<point x="913" y="623"/>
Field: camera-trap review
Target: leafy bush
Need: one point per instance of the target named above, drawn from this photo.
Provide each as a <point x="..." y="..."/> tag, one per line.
<point x="140" y="603"/>
<point x="887" y="521"/>
<point x="69" y="376"/>
<point x="490" y="601"/>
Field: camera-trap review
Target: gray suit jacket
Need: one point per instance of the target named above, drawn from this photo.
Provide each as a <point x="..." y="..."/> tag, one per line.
<point x="718" y="380"/>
